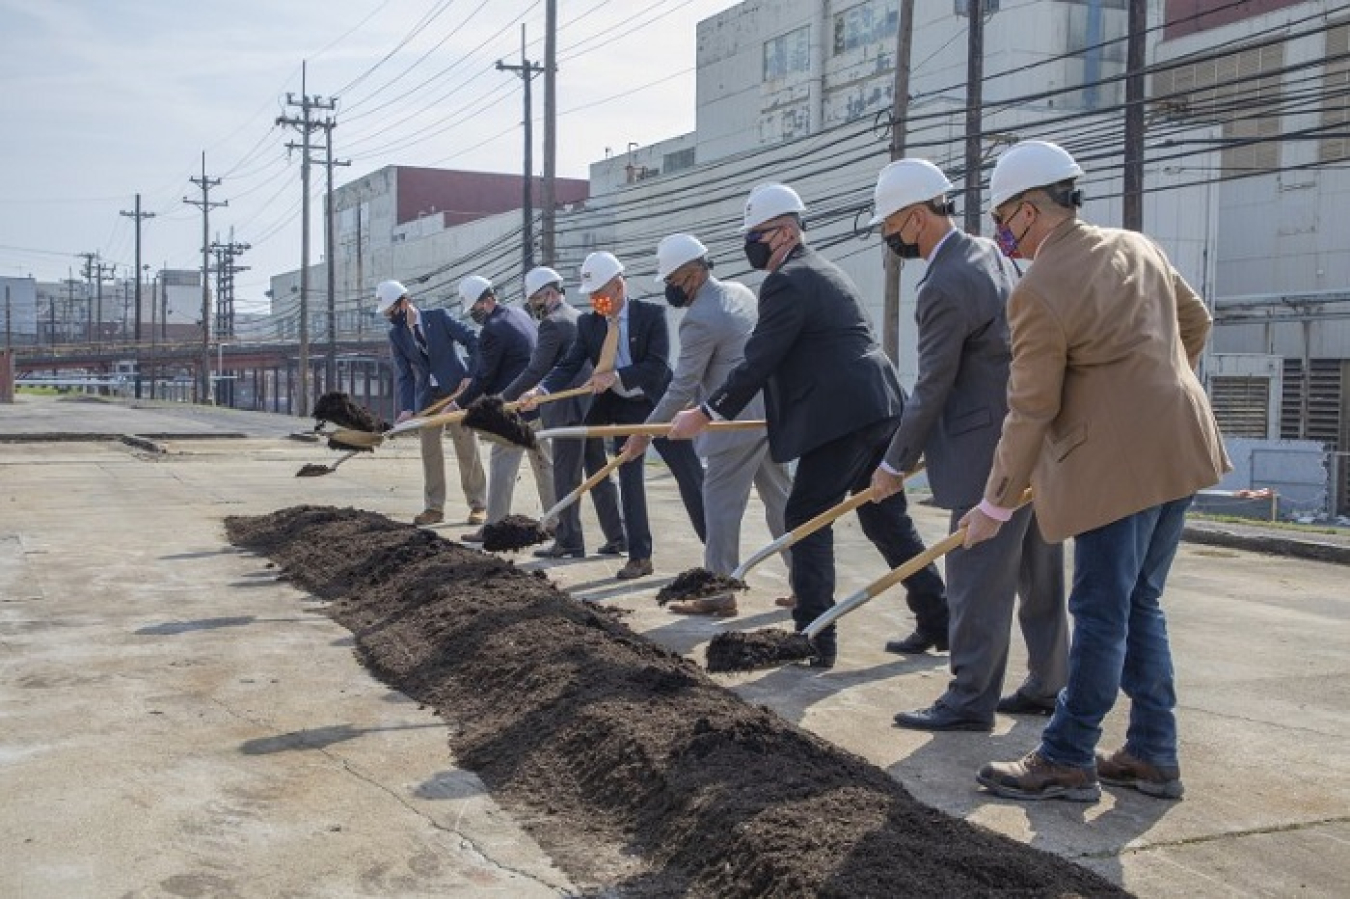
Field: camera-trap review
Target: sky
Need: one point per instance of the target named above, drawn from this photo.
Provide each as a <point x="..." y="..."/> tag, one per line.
<point x="104" y="99"/>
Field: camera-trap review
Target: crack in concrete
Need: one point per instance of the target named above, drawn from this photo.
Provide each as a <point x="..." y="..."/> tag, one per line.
<point x="1292" y="827"/>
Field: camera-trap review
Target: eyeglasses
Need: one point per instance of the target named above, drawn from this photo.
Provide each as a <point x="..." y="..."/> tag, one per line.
<point x="759" y="235"/>
<point x="999" y="218"/>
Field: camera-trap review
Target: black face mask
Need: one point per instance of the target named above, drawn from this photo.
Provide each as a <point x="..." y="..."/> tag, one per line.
<point x="758" y="255"/>
<point x="399" y="319"/>
<point x="902" y="249"/>
<point x="676" y="296"/>
<point x="478" y="314"/>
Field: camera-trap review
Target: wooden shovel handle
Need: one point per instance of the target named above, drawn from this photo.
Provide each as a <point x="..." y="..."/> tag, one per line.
<point x="585" y="485"/>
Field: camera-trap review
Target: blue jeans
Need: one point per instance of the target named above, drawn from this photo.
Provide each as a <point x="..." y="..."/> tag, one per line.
<point x="1120" y="640"/>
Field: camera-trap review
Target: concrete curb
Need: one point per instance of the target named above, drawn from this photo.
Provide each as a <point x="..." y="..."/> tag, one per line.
<point x="1297" y="547"/>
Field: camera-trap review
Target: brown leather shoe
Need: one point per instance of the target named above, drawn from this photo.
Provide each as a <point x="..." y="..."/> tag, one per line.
<point x="430" y="516"/>
<point x="634" y="569"/>
<point x="1121" y="769"/>
<point x="786" y="602"/>
<point x="477" y="516"/>
<point x="1035" y="777"/>
<point x="721" y="606"/>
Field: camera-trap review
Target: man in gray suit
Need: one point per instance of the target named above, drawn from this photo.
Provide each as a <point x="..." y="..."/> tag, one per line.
<point x="557" y="329"/>
<point x="718" y="319"/>
<point x="953" y="418"/>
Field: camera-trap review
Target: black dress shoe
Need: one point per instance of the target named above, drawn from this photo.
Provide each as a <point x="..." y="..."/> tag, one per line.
<point x="917" y="643"/>
<point x="614" y="548"/>
<point x="939" y="717"/>
<point x="1018" y="703"/>
<point x="559" y="552"/>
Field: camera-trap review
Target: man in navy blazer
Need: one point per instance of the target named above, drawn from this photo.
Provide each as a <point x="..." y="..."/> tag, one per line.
<point x="429" y="366"/>
<point x="506" y="342"/>
<point x="832" y="400"/>
<point x="627" y="387"/>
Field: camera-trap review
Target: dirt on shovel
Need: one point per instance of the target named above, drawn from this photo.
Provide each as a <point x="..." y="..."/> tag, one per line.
<point x="752" y="650"/>
<point x="512" y="533"/>
<point x="339" y="408"/>
<point x="490" y="415"/>
<point x="695" y="583"/>
<point x="635" y="771"/>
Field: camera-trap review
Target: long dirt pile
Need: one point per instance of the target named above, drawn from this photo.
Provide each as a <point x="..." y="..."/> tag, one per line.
<point x="637" y="773"/>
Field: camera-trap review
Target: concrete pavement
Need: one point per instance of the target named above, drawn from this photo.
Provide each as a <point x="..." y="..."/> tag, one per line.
<point x="177" y="722"/>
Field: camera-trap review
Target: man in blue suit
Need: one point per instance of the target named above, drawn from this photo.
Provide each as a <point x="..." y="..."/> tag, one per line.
<point x="505" y="344"/>
<point x="632" y="370"/>
<point x="429" y="366"/>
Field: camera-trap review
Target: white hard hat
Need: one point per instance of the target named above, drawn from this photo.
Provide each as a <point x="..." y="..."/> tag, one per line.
<point x="387" y="293"/>
<point x="674" y="251"/>
<point x="1028" y="164"/>
<point x="472" y="288"/>
<point x="904" y="183"/>
<point x="769" y="201"/>
<point x="536" y="279"/>
<point x="598" y="270"/>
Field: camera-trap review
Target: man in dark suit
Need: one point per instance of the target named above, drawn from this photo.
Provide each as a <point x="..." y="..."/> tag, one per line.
<point x="832" y="401"/>
<point x="628" y="344"/>
<point x="953" y="418"/>
<point x="557" y="329"/>
<point x="429" y="366"/>
<point x="505" y="344"/>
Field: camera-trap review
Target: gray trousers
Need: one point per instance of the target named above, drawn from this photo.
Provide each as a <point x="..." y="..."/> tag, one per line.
<point x="981" y="585"/>
<point x="727" y="478"/>
<point x="504" y="470"/>
<point x="472" y="479"/>
<point x="569" y="457"/>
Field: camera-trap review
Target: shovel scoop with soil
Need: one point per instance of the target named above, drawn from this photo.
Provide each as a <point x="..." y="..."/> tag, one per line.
<point x="697" y="583"/>
<point x="512" y="533"/>
<point x="338" y="408"/>
<point x="752" y="650"/>
<point x="490" y="415"/>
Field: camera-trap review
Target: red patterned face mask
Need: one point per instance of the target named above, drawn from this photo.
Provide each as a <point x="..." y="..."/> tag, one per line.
<point x="603" y="305"/>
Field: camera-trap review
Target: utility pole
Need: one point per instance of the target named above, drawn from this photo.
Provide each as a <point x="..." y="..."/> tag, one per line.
<point x="1137" y="24"/>
<point x="88" y="272"/>
<point x="904" y="42"/>
<point x="526" y="70"/>
<point x="305" y="125"/>
<point x="139" y="217"/>
<point x="974" y="113"/>
<point x="548" y="227"/>
<point x="205" y="205"/>
<point x="330" y="253"/>
<point x="95" y="270"/>
<point x="225" y="271"/>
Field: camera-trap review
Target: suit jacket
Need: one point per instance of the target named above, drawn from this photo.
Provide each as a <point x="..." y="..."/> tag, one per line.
<point x="648" y="348"/>
<point x="556" y="332"/>
<point x="1106" y="416"/>
<point x="954" y="414"/>
<point x="713" y="333"/>
<point x="412" y="369"/>
<point x="815" y="357"/>
<point x="505" y="345"/>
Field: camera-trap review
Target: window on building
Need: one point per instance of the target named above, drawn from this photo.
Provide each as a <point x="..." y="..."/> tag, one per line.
<point x="866" y="23"/>
<point x="1236" y="91"/>
<point x="787" y="53"/>
<point x="1336" y="91"/>
<point x="682" y="159"/>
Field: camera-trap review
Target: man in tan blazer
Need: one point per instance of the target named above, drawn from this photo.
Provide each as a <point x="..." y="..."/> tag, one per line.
<point x="1109" y="425"/>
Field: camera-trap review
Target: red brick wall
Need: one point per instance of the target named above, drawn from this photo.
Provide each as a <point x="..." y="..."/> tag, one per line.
<point x="1192" y="16"/>
<point x="465" y="196"/>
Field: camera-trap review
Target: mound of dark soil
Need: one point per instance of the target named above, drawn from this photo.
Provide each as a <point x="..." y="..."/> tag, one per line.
<point x="637" y="773"/>
<point x="489" y="415"/>
<point x="512" y="533"/>
<point x="697" y="582"/>
<point x="338" y="408"/>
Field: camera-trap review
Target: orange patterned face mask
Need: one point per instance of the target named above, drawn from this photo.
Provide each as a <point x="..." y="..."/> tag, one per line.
<point x="603" y="305"/>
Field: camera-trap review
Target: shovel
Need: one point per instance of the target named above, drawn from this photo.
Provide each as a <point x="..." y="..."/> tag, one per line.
<point x="366" y="439"/>
<point x="733" y="653"/>
<point x="503" y="423"/>
<point x="312" y="470"/>
<point x="886" y="581"/>
<point x="645" y="430"/>
<point x="551" y="516"/>
<point x="703" y="583"/>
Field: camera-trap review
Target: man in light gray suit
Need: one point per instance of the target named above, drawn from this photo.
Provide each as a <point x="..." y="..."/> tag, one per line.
<point x="718" y="319"/>
<point x="954" y="418"/>
<point x="557" y="329"/>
